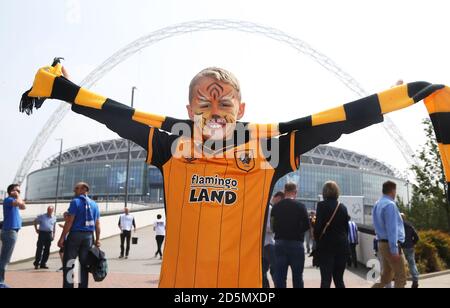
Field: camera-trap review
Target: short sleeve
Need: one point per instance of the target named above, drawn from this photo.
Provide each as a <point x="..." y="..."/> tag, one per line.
<point x="73" y="208"/>
<point x="8" y="202"/>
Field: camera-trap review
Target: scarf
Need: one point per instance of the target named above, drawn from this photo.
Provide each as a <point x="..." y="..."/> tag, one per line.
<point x="49" y="83"/>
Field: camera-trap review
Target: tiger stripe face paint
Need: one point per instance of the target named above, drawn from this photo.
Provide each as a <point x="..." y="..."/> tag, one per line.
<point x="215" y="109"/>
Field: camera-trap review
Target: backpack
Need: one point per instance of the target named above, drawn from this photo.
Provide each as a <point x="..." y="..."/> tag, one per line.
<point x="97" y="264"/>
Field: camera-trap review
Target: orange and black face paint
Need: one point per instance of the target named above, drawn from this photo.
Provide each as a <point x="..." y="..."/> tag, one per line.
<point x="215" y="90"/>
<point x="214" y="103"/>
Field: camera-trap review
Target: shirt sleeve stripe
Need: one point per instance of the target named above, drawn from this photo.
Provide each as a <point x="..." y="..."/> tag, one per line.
<point x="89" y="99"/>
<point x="150" y="146"/>
<point x="293" y="160"/>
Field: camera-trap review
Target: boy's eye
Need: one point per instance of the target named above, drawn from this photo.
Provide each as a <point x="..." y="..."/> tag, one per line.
<point x="226" y="104"/>
<point x="203" y="104"/>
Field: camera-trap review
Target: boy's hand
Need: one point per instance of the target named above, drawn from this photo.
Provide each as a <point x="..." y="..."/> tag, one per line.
<point x="65" y="73"/>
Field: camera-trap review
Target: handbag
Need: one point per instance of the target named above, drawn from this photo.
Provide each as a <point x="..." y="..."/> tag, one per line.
<point x="315" y="253"/>
<point x="97" y="264"/>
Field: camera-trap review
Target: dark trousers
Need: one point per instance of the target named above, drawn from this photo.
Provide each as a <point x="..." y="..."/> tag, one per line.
<point x="43" y="248"/>
<point x="126" y="235"/>
<point x="268" y="264"/>
<point x="353" y="258"/>
<point x="159" y="242"/>
<point x="76" y="246"/>
<point x="332" y="267"/>
<point x="289" y="253"/>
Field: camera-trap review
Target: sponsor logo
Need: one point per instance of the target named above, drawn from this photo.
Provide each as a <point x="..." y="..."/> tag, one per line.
<point x="213" y="189"/>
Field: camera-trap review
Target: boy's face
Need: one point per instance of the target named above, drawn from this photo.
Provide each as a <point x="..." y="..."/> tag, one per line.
<point x="215" y="108"/>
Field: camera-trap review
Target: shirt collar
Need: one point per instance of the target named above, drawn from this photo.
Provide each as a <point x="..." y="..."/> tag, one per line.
<point x="388" y="197"/>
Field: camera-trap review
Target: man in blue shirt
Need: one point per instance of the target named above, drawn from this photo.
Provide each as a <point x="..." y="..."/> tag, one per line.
<point x="390" y="232"/>
<point x="12" y="223"/>
<point x="82" y="224"/>
<point x="46" y="232"/>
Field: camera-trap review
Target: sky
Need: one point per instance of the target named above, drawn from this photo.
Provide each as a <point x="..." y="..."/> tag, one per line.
<point x="376" y="42"/>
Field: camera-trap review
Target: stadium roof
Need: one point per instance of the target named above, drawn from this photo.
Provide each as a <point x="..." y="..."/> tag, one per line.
<point x="116" y="149"/>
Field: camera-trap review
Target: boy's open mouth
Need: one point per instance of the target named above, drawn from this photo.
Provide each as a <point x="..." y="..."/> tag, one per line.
<point x="217" y="123"/>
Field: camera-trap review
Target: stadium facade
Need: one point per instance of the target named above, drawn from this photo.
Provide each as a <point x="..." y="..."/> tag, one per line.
<point x="103" y="166"/>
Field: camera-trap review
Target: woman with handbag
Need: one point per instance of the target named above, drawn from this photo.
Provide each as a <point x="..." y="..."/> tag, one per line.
<point x="331" y="232"/>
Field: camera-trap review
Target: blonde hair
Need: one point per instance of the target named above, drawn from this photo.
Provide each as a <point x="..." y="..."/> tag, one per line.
<point x="218" y="74"/>
<point x="330" y="190"/>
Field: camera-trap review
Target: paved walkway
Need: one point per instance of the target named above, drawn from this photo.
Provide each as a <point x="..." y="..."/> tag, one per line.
<point x="436" y="282"/>
<point x="141" y="270"/>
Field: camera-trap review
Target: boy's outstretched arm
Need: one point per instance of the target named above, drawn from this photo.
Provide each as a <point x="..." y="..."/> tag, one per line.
<point x="368" y="109"/>
<point x="307" y="133"/>
<point x="51" y="83"/>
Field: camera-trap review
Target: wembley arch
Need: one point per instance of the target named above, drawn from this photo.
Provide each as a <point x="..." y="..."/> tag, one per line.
<point x="202" y="26"/>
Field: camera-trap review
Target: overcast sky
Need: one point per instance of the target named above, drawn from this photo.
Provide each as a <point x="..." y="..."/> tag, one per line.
<point x="377" y="43"/>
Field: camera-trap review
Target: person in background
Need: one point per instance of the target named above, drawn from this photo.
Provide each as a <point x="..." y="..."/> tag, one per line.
<point x="12" y="223"/>
<point x="353" y="239"/>
<point x="290" y="222"/>
<point x="331" y="233"/>
<point x="309" y="236"/>
<point x="126" y="225"/>
<point x="390" y="232"/>
<point x="312" y="220"/>
<point x="268" y="260"/>
<point x="408" y="247"/>
<point x="61" y="250"/>
<point x="45" y="228"/>
<point x="160" y="228"/>
<point x="77" y="237"/>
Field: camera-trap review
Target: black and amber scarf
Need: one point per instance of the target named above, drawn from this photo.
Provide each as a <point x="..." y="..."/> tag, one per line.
<point x="49" y="83"/>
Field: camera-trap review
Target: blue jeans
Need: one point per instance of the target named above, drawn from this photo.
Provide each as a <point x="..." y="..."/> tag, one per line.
<point x="9" y="239"/>
<point x="268" y="263"/>
<point x="410" y="256"/>
<point x="289" y="253"/>
<point x="76" y="246"/>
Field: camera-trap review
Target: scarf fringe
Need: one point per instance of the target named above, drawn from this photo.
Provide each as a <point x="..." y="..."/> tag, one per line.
<point x="27" y="104"/>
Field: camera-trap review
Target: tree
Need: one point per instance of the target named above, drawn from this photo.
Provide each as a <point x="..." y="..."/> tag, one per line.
<point x="430" y="208"/>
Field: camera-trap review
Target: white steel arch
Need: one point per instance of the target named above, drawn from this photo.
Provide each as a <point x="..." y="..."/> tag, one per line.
<point x="199" y="26"/>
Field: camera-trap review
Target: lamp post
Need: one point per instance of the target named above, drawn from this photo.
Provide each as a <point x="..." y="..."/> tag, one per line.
<point x="58" y="175"/>
<point x="133" y="89"/>
<point x="407" y="193"/>
<point x="107" y="186"/>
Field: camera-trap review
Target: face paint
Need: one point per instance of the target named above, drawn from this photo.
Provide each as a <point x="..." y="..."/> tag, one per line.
<point x="215" y="90"/>
<point x="215" y="109"/>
